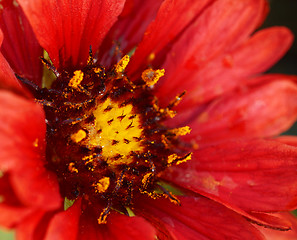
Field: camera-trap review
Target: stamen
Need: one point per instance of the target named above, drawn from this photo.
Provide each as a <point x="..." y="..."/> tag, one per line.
<point x="80" y="135"/>
<point x="175" y="159"/>
<point x="122" y="64"/>
<point x="102" y="185"/>
<point x="151" y="77"/>
<point x="76" y="79"/>
<point x="171" y="197"/>
<point x="90" y="58"/>
<point x="72" y="168"/>
<point x="50" y="66"/>
<point x="180" y="131"/>
<point x="176" y="100"/>
<point x="146" y="180"/>
<point x="104" y="214"/>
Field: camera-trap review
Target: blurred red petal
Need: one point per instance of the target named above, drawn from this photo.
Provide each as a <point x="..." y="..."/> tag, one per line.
<point x="172" y="18"/>
<point x="64" y="225"/>
<point x="128" y="31"/>
<point x="271" y="234"/>
<point x="274" y="221"/>
<point x="210" y="80"/>
<point x="12" y="211"/>
<point x="20" y="46"/>
<point x="24" y="120"/>
<point x="66" y="29"/>
<point x="265" y="110"/>
<point x="23" y="154"/>
<point x="122" y="227"/>
<point x="196" y="218"/>
<point x="263" y="50"/>
<point x="11" y="216"/>
<point x="7" y="194"/>
<point x="118" y="227"/>
<point x="290" y="140"/>
<point x="34" y="226"/>
<point x="214" y="33"/>
<point x="8" y="79"/>
<point x="252" y="175"/>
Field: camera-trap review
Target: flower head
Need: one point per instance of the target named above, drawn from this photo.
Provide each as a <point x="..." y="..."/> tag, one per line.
<point x="145" y="120"/>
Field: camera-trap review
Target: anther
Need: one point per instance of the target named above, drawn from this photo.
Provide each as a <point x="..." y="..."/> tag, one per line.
<point x="104" y="214"/>
<point x="50" y="66"/>
<point x="151" y="77"/>
<point x="122" y="64"/>
<point x="171" y="197"/>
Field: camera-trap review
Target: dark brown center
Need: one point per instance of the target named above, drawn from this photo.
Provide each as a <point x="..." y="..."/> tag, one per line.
<point x="105" y="137"/>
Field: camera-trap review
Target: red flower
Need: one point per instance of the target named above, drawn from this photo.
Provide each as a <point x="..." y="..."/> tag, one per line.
<point x="241" y="176"/>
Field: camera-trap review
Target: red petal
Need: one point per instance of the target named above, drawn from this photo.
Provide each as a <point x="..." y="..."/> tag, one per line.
<point x="10" y="216"/>
<point x="12" y="212"/>
<point x="118" y="227"/>
<point x="36" y="187"/>
<point x="274" y="221"/>
<point x="172" y="18"/>
<point x="34" y="227"/>
<point x="282" y="235"/>
<point x="229" y="70"/>
<point x="122" y="227"/>
<point x="64" y="225"/>
<point x="22" y="122"/>
<point x="67" y="29"/>
<point x="261" y="111"/>
<point x="7" y="195"/>
<point x="22" y="132"/>
<point x="128" y="31"/>
<point x="196" y="218"/>
<point x="8" y="80"/>
<point x="89" y="227"/>
<point x="214" y="33"/>
<point x="20" y="46"/>
<point x="290" y="140"/>
<point x="252" y="175"/>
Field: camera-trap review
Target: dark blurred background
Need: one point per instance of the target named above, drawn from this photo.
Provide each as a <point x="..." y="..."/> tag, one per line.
<point x="284" y="13"/>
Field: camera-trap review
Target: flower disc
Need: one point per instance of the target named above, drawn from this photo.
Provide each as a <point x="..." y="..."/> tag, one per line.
<point x="105" y="136"/>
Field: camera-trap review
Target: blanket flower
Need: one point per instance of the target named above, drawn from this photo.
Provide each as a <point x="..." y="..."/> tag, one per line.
<point x="145" y="120"/>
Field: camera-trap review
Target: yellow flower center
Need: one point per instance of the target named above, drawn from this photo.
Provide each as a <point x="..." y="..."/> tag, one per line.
<point x="117" y="130"/>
